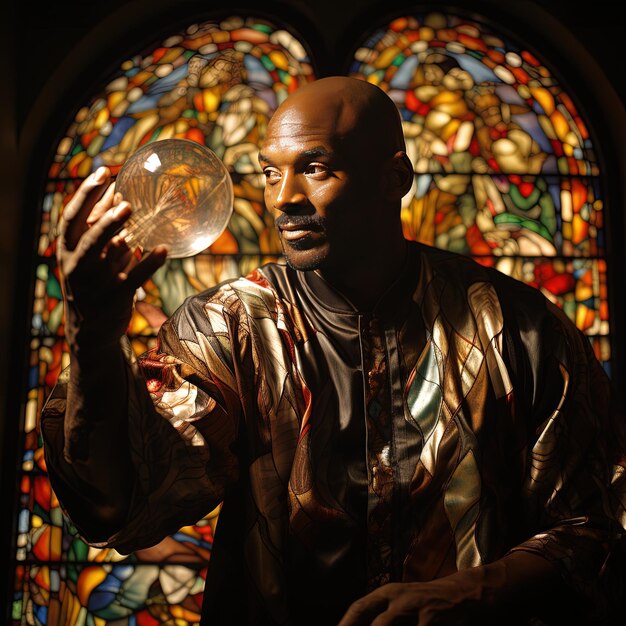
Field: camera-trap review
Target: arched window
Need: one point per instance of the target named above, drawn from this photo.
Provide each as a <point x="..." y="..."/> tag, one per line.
<point x="505" y="171"/>
<point x="216" y="83"/>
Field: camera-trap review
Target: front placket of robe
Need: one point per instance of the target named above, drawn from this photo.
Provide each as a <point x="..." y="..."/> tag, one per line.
<point x="392" y="446"/>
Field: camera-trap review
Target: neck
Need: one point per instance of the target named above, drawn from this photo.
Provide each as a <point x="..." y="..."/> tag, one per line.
<point x="368" y="275"/>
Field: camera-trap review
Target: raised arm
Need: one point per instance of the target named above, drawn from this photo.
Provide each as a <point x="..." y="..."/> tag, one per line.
<point x="99" y="276"/>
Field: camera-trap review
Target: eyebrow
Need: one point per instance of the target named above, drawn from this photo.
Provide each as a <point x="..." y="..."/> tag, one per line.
<point x="307" y="154"/>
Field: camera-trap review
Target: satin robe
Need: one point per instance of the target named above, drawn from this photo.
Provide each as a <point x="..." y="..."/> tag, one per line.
<point x="462" y="418"/>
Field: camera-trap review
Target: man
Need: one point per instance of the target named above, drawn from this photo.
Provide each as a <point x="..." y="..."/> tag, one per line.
<point x="397" y="434"/>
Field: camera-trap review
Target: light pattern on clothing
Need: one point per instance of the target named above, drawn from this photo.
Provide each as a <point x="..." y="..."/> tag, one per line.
<point x="462" y="418"/>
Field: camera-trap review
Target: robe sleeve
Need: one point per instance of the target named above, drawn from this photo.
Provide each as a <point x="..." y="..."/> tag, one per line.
<point x="575" y="487"/>
<point x="185" y="407"/>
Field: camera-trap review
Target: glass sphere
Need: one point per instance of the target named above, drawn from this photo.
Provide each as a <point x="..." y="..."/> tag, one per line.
<point x="181" y="195"/>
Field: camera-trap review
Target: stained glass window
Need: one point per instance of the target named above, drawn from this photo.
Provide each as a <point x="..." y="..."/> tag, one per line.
<point x="216" y="83"/>
<point x="505" y="170"/>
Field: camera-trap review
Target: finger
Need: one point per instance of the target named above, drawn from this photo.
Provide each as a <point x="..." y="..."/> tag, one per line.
<point x="74" y="218"/>
<point x="392" y="619"/>
<point x="140" y="273"/>
<point x="118" y="256"/>
<point x="103" y="205"/>
<point x="365" y="609"/>
<point x="95" y="239"/>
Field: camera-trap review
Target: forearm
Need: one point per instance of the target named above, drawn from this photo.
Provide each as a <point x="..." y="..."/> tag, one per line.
<point x="95" y="446"/>
<point x="519" y="586"/>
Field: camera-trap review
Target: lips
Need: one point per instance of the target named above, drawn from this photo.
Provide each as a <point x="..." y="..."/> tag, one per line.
<point x="295" y="227"/>
<point x="300" y="232"/>
<point x="296" y="232"/>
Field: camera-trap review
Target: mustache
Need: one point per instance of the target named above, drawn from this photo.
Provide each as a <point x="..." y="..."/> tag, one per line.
<point x="305" y="222"/>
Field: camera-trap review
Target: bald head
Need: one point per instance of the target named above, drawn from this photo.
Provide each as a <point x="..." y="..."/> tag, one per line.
<point x="336" y="171"/>
<point x="353" y="110"/>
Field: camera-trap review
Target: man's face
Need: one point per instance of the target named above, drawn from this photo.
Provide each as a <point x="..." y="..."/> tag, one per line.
<point x="321" y="187"/>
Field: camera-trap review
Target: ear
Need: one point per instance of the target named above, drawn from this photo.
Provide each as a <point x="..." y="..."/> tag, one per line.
<point x="400" y="174"/>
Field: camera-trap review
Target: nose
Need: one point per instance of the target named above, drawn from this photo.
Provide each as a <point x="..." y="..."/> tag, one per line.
<point x="289" y="194"/>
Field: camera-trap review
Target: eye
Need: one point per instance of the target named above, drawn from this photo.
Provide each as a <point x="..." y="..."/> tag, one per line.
<point x="272" y="175"/>
<point x="317" y="170"/>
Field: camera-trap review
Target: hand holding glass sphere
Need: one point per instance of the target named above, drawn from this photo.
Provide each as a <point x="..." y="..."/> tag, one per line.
<point x="181" y="195"/>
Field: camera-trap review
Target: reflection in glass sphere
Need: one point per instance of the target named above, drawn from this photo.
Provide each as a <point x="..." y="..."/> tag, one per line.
<point x="181" y="195"/>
